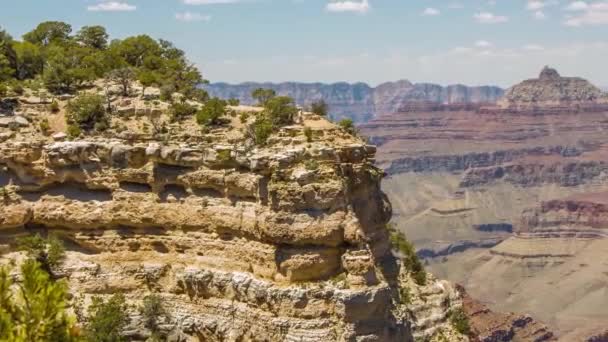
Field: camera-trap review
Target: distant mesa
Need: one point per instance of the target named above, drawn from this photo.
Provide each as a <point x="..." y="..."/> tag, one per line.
<point x="553" y="93"/>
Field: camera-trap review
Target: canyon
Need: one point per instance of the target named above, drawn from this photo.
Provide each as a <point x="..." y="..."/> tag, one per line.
<point x="282" y="241"/>
<point x="361" y="102"/>
<point x="508" y="199"/>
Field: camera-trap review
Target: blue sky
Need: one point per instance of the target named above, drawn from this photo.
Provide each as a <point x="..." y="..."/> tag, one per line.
<point x="442" y="41"/>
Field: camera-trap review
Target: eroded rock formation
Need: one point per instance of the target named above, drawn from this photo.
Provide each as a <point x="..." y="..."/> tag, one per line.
<point x="282" y="242"/>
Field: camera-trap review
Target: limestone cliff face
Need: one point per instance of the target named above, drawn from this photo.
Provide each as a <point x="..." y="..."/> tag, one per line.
<point x="362" y="102"/>
<point x="285" y="242"/>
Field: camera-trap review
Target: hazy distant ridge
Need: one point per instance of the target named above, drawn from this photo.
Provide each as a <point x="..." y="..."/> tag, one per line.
<point x="360" y="101"/>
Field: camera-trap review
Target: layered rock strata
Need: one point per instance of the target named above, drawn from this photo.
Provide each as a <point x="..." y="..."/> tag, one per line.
<point x="285" y="242"/>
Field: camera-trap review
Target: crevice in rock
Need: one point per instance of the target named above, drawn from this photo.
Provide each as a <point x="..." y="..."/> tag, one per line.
<point x="135" y="187"/>
<point x="70" y="190"/>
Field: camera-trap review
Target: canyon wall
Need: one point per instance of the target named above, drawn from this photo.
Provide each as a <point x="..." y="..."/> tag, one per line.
<point x="284" y="241"/>
<point x="360" y="101"/>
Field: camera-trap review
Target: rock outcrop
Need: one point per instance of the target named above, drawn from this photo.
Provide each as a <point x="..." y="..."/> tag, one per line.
<point x="281" y="242"/>
<point x="362" y="102"/>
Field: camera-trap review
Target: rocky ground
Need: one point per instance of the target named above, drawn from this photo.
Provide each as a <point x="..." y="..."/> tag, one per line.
<point x="281" y="242"/>
<point x="461" y="180"/>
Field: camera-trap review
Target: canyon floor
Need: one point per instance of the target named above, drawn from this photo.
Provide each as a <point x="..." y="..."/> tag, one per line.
<point x="499" y="202"/>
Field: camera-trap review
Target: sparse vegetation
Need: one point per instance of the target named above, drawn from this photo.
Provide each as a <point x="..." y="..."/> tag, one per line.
<point x="211" y="112"/>
<point x="311" y="164"/>
<point x="410" y="260"/>
<point x="54" y="107"/>
<point x="280" y="110"/>
<point x="48" y="252"/>
<point x="460" y="321"/>
<point x="107" y="319"/>
<point x="263" y="95"/>
<point x="234" y="102"/>
<point x="73" y="131"/>
<point x="308" y="134"/>
<point x="319" y="107"/>
<point x="262" y="129"/>
<point x="405" y="297"/>
<point x="347" y="125"/>
<point x="87" y="111"/>
<point x="181" y="110"/>
<point x="45" y="127"/>
<point x="153" y="312"/>
<point x="243" y="117"/>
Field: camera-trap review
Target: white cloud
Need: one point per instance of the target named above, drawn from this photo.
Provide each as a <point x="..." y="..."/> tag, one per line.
<point x="540" y="15"/>
<point x="430" y="11"/>
<point x="190" y="17"/>
<point x="490" y="18"/>
<point x="209" y="2"/>
<point x="592" y="14"/>
<point x="348" y="6"/>
<point x="483" y="43"/>
<point x="111" y="6"/>
<point x="535" y="5"/>
<point x="577" y="6"/>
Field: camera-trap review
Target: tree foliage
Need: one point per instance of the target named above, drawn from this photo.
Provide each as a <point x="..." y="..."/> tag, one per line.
<point x="37" y="313"/>
<point x="263" y="95"/>
<point x="408" y="255"/>
<point x="107" y="319"/>
<point x="87" y="111"/>
<point x="211" y="112"/>
<point x="319" y="107"/>
<point x="69" y="62"/>
<point x="280" y="110"/>
<point x="48" y="252"/>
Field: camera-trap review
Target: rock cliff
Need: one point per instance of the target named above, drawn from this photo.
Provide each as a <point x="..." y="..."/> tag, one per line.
<point x="281" y="242"/>
<point x="362" y="102"/>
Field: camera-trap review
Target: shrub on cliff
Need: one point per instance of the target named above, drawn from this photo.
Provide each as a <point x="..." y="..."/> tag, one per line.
<point x="280" y="110"/>
<point x="211" y="112"/>
<point x="460" y="321"/>
<point x="319" y="107"/>
<point x="107" y="319"/>
<point x="263" y="95"/>
<point x="410" y="260"/>
<point x="181" y="110"/>
<point x="153" y="312"/>
<point x="347" y="125"/>
<point x="262" y="129"/>
<point x="48" y="252"/>
<point x="87" y="111"/>
<point x="37" y="310"/>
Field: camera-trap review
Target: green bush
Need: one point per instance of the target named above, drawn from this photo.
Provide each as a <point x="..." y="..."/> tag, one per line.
<point x="311" y="164"/>
<point x="181" y="111"/>
<point x="211" y="112"/>
<point x="152" y="311"/>
<point x="45" y="127"/>
<point x="460" y="321"/>
<point x="262" y="129"/>
<point x="308" y="134"/>
<point x="263" y="95"/>
<point x="18" y="89"/>
<point x="166" y="93"/>
<point x="107" y="319"/>
<point x="37" y="310"/>
<point x="54" y="107"/>
<point x="410" y="260"/>
<point x="3" y="90"/>
<point x="234" y="102"/>
<point x="244" y="117"/>
<point x="86" y="111"/>
<point x="48" y="252"/>
<point x="319" y="108"/>
<point x="73" y="131"/>
<point x="281" y="110"/>
<point x="347" y="125"/>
